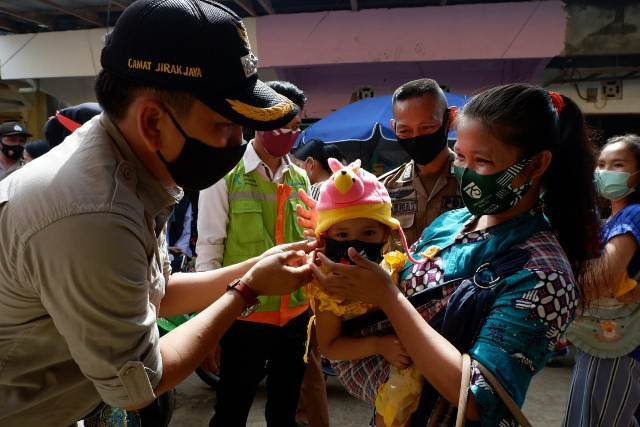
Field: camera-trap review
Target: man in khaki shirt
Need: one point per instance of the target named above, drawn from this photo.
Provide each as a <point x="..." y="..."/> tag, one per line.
<point x="424" y="187"/>
<point x="84" y="271"/>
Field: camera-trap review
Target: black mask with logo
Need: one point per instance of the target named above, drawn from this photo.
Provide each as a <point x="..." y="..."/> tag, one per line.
<point x="423" y="149"/>
<point x="337" y="251"/>
<point x="14" y="152"/>
<point x="199" y="165"/>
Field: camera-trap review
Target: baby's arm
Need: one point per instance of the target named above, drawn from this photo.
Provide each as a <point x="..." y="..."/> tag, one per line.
<point x="337" y="347"/>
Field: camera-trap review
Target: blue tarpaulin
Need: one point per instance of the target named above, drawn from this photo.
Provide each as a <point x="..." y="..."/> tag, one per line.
<point x="363" y="131"/>
<point x="358" y="121"/>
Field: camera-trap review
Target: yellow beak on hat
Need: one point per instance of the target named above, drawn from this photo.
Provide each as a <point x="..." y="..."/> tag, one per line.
<point x="344" y="181"/>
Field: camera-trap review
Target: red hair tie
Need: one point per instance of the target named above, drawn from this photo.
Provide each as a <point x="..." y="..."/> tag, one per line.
<point x="65" y="121"/>
<point x="557" y="100"/>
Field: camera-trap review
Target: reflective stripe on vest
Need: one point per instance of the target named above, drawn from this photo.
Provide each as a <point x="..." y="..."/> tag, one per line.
<point x="262" y="215"/>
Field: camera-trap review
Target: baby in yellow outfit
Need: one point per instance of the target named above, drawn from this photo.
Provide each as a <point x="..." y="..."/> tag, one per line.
<point x="354" y="210"/>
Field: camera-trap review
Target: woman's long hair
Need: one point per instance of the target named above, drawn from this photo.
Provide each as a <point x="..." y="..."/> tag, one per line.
<point x="526" y="117"/>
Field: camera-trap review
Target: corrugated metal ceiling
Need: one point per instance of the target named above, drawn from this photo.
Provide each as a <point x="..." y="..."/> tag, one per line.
<point x="29" y="16"/>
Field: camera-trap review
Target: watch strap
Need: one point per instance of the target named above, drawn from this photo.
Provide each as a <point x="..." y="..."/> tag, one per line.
<point x="249" y="296"/>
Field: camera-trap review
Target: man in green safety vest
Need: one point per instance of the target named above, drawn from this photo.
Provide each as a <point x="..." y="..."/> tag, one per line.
<point x="249" y="211"/>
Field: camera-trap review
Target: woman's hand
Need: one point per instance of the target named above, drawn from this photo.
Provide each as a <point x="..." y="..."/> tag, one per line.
<point x="307" y="216"/>
<point x="279" y="274"/>
<point x="365" y="281"/>
<point x="393" y="351"/>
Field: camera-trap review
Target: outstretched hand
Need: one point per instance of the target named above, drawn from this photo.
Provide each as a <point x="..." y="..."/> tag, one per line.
<point x="365" y="281"/>
<point x="279" y="274"/>
<point x="304" y="245"/>
<point x="308" y="214"/>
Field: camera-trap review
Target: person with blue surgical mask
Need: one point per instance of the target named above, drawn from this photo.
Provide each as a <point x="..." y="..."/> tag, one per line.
<point x="606" y="378"/>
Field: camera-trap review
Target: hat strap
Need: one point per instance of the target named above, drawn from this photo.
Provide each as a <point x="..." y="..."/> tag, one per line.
<point x="407" y="251"/>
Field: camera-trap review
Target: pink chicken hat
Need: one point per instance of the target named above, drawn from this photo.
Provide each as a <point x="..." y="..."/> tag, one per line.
<point x="352" y="193"/>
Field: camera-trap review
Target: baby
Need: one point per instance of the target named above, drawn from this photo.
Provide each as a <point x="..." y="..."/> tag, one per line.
<point x="354" y="210"/>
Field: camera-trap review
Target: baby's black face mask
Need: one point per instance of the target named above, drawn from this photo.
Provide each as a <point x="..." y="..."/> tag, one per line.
<point x="337" y="251"/>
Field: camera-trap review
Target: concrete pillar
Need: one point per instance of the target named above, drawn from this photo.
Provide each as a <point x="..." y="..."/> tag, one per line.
<point x="35" y="113"/>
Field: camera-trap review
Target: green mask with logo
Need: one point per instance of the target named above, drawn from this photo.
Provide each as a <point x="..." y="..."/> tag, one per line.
<point x="490" y="194"/>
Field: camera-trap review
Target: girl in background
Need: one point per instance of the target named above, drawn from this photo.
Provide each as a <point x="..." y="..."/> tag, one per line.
<point x="605" y="389"/>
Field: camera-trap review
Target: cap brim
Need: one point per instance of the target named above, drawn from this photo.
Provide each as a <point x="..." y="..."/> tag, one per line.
<point x="257" y="107"/>
<point x="28" y="135"/>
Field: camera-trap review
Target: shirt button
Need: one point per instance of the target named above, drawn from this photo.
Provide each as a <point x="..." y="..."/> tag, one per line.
<point x="127" y="172"/>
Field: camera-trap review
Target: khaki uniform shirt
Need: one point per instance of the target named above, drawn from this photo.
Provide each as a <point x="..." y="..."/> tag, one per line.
<point x="6" y="172"/>
<point x="83" y="272"/>
<point x="412" y="206"/>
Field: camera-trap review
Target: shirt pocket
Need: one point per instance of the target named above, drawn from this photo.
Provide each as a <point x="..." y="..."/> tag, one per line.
<point x="404" y="209"/>
<point x="246" y="220"/>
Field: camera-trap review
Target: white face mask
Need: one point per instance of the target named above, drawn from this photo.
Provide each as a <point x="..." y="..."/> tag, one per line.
<point x="309" y="169"/>
<point x="612" y="185"/>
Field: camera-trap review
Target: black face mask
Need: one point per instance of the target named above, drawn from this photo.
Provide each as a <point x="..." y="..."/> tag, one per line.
<point x="424" y="148"/>
<point x="14" y="152"/>
<point x="336" y="250"/>
<point x="199" y="165"/>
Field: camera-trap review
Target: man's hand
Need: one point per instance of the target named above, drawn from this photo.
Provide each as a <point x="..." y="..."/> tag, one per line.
<point x="305" y="245"/>
<point x="279" y="274"/>
<point x="392" y="350"/>
<point x="307" y="216"/>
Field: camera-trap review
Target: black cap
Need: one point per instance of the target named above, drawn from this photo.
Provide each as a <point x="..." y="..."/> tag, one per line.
<point x="200" y="47"/>
<point x="318" y="150"/>
<point x="13" y="128"/>
<point x="37" y="148"/>
<point x="55" y="131"/>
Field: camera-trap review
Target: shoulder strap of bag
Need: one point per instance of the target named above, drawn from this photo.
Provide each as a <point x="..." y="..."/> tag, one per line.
<point x="497" y="386"/>
<point x="461" y="417"/>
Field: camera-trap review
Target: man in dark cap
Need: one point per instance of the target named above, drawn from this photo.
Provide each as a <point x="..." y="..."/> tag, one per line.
<point x="34" y="149"/>
<point x="67" y="120"/>
<point x="178" y="81"/>
<point x="13" y="136"/>
<point x="313" y="157"/>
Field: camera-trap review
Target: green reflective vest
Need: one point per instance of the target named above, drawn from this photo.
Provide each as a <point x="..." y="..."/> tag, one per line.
<point x="262" y="214"/>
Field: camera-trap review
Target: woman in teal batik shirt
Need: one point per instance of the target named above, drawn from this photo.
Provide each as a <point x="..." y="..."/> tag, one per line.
<point x="515" y="143"/>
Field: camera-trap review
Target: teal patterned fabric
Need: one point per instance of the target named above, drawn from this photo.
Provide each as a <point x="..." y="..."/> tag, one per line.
<point x="532" y="309"/>
<point x="107" y="416"/>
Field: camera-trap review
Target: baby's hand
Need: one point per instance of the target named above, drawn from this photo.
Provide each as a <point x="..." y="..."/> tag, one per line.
<point x="392" y="350"/>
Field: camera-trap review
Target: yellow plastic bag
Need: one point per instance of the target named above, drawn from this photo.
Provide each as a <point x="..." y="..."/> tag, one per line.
<point x="399" y="397"/>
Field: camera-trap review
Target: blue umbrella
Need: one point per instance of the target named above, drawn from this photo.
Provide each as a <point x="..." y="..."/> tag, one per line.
<point x="363" y="131"/>
<point x="360" y="121"/>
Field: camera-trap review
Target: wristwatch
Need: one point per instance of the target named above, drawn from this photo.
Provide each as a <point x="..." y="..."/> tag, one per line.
<point x="251" y="301"/>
